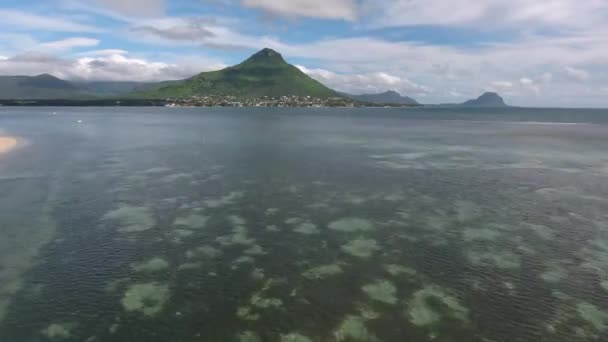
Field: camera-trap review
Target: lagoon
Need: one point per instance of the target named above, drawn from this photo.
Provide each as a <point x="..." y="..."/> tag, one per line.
<point x="274" y="224"/>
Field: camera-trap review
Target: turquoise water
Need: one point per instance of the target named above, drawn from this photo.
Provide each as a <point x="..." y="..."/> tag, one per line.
<point x="155" y="224"/>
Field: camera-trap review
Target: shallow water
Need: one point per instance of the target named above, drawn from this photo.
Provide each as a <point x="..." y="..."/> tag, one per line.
<point x="154" y="224"/>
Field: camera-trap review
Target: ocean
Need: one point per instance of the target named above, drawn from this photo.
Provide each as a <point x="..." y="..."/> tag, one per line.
<point x="274" y="224"/>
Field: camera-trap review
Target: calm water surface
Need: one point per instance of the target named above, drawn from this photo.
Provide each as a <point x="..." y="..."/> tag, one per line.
<point x="154" y="224"/>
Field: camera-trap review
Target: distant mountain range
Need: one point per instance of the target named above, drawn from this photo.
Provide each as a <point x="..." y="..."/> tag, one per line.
<point x="388" y="97"/>
<point x="40" y="87"/>
<point x="45" y="87"/>
<point x="110" y="89"/>
<point x="265" y="73"/>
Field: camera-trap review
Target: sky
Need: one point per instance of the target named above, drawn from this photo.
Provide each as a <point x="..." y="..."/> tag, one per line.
<point x="533" y="52"/>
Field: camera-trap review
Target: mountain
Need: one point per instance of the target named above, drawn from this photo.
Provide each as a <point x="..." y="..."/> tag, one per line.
<point x="486" y="100"/>
<point x="42" y="86"/>
<point x="45" y="87"/>
<point x="265" y="73"/>
<point x="388" y="97"/>
<point x="112" y="88"/>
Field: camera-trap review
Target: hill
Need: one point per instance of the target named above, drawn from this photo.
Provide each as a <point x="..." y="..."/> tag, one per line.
<point x="47" y="87"/>
<point x="111" y="88"/>
<point x="265" y="73"/>
<point x="486" y="100"/>
<point x="42" y="86"/>
<point x="388" y="97"/>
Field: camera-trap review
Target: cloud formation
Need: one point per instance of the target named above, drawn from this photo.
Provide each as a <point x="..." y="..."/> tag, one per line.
<point x="579" y="75"/>
<point x="192" y="30"/>
<point x="497" y="13"/>
<point x="68" y="44"/>
<point x="365" y="83"/>
<point x="111" y="67"/>
<point x="325" y="9"/>
<point x="24" y="20"/>
<point x="135" y="7"/>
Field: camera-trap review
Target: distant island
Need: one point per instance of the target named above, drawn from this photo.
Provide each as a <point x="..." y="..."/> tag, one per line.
<point x="488" y="99"/>
<point x="263" y="80"/>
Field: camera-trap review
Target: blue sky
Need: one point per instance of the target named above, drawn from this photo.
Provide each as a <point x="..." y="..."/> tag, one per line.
<point x="536" y="53"/>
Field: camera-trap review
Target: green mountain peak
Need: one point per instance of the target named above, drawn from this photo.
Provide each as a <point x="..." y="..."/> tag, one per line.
<point x="265" y="56"/>
<point x="488" y="99"/>
<point x="265" y="73"/>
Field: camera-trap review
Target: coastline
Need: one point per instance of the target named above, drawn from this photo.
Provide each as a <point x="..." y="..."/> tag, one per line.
<point x="7" y="144"/>
<point x="298" y="102"/>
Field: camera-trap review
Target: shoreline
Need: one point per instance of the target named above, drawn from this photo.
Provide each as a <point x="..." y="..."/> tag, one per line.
<point x="7" y="144"/>
<point x="248" y="103"/>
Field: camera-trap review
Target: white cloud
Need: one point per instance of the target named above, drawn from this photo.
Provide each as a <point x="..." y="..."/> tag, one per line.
<point x="552" y="13"/>
<point x="194" y="31"/>
<point x="365" y="83"/>
<point x="119" y="67"/>
<point x="454" y="93"/>
<point x="546" y="77"/>
<point x="326" y="9"/>
<point x="502" y="84"/>
<point x="178" y="30"/>
<point x="68" y="44"/>
<point x="579" y="75"/>
<point x="104" y="52"/>
<point x="115" y="67"/>
<point x="526" y="81"/>
<point x="135" y="7"/>
<point x="15" y="19"/>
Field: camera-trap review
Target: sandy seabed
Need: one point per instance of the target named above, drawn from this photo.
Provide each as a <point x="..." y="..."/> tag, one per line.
<point x="7" y="144"/>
